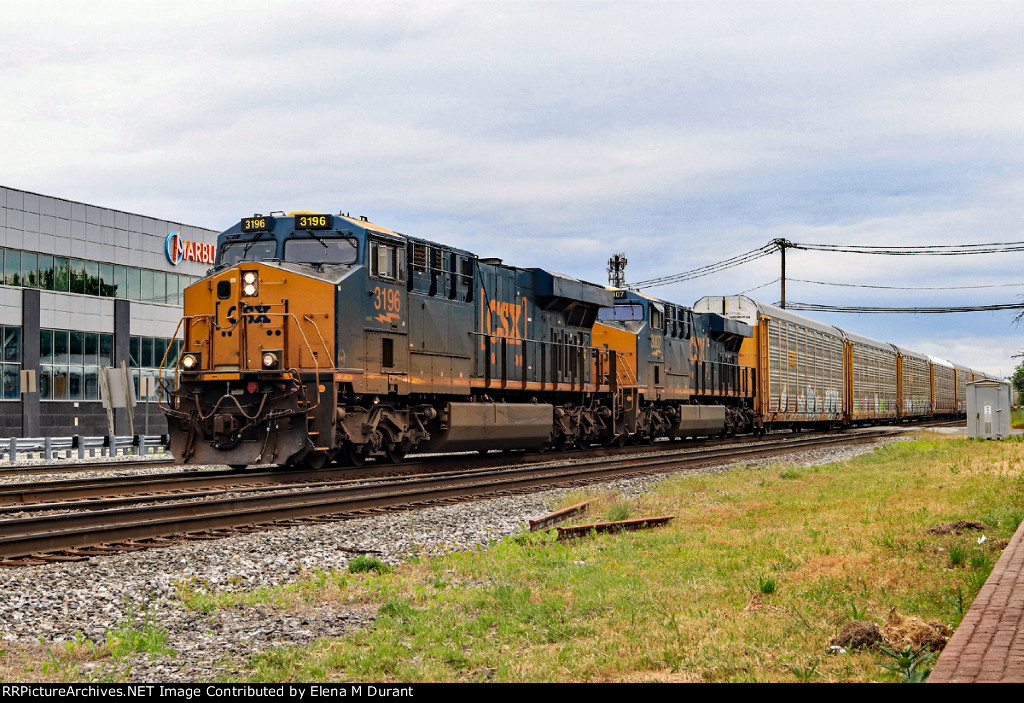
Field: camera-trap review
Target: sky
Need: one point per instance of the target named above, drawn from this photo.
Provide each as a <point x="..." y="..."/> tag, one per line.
<point x="555" y="134"/>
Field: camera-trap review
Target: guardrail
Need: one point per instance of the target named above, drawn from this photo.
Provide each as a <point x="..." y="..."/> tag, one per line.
<point x="79" y="446"/>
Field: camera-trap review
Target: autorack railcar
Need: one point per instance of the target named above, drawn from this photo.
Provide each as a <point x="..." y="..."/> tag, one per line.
<point x="800" y="361"/>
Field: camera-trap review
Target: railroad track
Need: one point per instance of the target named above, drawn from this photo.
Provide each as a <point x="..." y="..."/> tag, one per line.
<point x="81" y="534"/>
<point x="94" y="493"/>
<point x="116" y="465"/>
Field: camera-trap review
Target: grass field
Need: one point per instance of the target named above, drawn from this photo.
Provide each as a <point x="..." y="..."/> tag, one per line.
<point x="760" y="569"/>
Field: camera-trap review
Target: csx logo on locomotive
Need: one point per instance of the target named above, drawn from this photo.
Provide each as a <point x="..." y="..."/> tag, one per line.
<point x="254" y="314"/>
<point x="503" y="320"/>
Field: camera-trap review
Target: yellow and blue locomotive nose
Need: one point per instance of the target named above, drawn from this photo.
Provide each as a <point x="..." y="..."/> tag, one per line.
<point x="243" y="319"/>
<point x="256" y="382"/>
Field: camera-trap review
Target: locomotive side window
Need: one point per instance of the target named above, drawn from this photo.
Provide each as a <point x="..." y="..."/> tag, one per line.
<point x="322" y="250"/>
<point x="657" y="318"/>
<point x="387" y="261"/>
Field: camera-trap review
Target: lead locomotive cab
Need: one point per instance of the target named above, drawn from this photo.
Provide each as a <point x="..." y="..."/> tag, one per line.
<point x="256" y="376"/>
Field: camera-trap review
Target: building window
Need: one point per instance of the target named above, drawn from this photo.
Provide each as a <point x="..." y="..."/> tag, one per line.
<point x="69" y="363"/>
<point x="11" y="339"/>
<point x="147" y="353"/>
<point x="65" y="275"/>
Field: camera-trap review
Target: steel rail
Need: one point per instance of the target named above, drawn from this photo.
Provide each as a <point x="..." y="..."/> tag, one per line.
<point x="68" y="467"/>
<point x="51" y="533"/>
<point x="59" y="494"/>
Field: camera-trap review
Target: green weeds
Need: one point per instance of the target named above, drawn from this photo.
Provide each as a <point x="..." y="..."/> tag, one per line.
<point x="364" y="563"/>
<point x="958" y="555"/>
<point x="910" y="665"/>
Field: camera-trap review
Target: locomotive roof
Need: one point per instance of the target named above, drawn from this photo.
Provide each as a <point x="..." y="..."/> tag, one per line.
<point x="560" y="285"/>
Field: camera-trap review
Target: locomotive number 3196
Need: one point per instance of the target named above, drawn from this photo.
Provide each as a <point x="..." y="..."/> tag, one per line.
<point x="387" y="299"/>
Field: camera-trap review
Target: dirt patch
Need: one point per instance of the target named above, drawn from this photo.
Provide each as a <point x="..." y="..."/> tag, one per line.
<point x="958" y="527"/>
<point x="897" y="632"/>
<point x="757" y="603"/>
<point x="901" y="631"/>
<point x="859" y="634"/>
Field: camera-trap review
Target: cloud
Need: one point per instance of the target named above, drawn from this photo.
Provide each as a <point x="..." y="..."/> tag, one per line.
<point x="550" y="133"/>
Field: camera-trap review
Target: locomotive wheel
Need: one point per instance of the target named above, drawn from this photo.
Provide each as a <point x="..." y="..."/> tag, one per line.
<point x="354" y="455"/>
<point x="315" y="460"/>
<point x="396" y="451"/>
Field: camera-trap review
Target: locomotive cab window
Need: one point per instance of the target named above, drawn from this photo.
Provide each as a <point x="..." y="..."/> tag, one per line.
<point x="623" y="312"/>
<point x="322" y="250"/>
<point x="387" y="261"/>
<point x="252" y="250"/>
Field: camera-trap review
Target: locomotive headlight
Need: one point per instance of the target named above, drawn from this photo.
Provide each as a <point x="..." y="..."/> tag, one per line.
<point x="190" y="361"/>
<point x="250" y="283"/>
<point x="271" y="360"/>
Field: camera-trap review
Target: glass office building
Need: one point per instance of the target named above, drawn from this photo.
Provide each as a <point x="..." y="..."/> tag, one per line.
<point x="84" y="287"/>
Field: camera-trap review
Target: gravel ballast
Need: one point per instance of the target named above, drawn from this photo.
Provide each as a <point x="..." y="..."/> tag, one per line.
<point x="67" y="601"/>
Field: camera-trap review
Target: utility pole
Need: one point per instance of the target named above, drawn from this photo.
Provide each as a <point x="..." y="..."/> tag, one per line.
<point x="783" y="244"/>
<point x="617" y="271"/>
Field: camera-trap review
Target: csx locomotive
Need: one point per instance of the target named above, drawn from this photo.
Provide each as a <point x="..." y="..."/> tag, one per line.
<point x="323" y="338"/>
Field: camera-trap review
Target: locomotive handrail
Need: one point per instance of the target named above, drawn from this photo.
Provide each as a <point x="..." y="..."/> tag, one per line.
<point x="160" y="368"/>
<point x="577" y="370"/>
<point x="211" y="319"/>
<point x="330" y="357"/>
<point x="738" y="379"/>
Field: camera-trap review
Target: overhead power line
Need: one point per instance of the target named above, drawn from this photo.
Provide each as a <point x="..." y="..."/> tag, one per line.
<point x="737" y="260"/>
<point x="748" y="290"/>
<point x="862" y="285"/>
<point x="814" y="307"/>
<point x="931" y="250"/>
<point x="781" y="245"/>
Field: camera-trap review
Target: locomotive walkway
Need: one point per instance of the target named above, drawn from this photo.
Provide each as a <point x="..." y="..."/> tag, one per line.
<point x="988" y="647"/>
